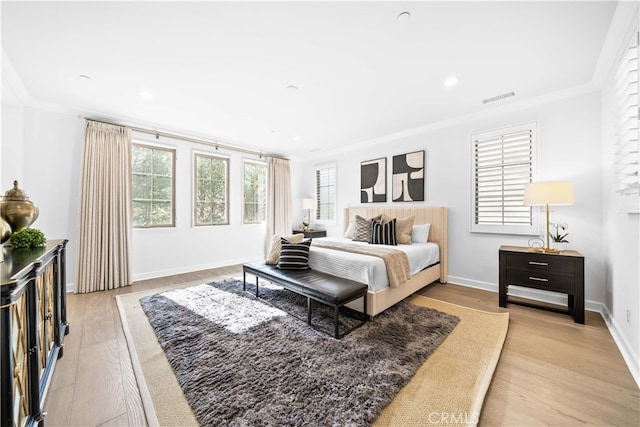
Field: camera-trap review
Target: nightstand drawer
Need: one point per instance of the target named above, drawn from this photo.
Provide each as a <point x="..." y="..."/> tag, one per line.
<point x="541" y="280"/>
<point x="540" y="264"/>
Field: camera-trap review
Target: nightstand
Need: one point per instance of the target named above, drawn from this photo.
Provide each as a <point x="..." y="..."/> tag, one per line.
<point x="562" y="272"/>
<point x="311" y="233"/>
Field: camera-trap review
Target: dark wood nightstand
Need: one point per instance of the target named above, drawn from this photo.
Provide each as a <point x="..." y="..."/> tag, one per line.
<point x="311" y="233"/>
<point x="563" y="272"/>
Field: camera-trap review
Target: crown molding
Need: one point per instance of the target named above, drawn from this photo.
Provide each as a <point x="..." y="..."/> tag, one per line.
<point x="12" y="82"/>
<point x="622" y="22"/>
<point x="485" y="113"/>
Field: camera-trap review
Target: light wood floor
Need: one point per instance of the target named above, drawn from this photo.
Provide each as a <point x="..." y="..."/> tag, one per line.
<point x="551" y="372"/>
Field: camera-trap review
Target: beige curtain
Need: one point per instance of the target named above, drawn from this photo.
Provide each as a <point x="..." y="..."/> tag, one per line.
<point x="279" y="204"/>
<point x="104" y="225"/>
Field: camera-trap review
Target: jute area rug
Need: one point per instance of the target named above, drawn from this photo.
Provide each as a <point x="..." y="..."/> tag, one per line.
<point x="448" y="388"/>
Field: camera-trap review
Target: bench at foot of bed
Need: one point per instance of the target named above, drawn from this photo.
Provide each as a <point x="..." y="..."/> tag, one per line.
<point x="330" y="290"/>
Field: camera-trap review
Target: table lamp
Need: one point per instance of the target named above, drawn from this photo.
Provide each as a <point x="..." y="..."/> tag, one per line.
<point x="546" y="194"/>
<point x="307" y="204"/>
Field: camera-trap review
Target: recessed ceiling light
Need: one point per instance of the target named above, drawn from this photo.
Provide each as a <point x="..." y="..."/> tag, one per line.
<point x="451" y="81"/>
<point x="296" y="138"/>
<point x="404" y="17"/>
<point x="145" y="95"/>
<point x="292" y="88"/>
<point x="84" y="77"/>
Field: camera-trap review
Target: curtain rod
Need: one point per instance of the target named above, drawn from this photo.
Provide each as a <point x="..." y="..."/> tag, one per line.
<point x="214" y="143"/>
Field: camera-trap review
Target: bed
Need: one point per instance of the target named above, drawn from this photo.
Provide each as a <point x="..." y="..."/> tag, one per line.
<point x="381" y="296"/>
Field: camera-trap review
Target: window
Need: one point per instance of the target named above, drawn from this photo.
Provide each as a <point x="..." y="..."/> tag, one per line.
<point x="211" y="190"/>
<point x="627" y="160"/>
<point x="255" y="192"/>
<point x="326" y="193"/>
<point x="153" y="186"/>
<point x="503" y="162"/>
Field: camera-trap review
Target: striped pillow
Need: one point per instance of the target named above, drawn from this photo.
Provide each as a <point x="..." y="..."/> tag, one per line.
<point x="384" y="234"/>
<point x="294" y="256"/>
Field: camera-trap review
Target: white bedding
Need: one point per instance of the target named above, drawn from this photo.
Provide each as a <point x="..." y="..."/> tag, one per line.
<point x="369" y="269"/>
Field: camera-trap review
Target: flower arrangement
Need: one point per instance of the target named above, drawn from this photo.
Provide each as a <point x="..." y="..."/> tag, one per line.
<point x="556" y="235"/>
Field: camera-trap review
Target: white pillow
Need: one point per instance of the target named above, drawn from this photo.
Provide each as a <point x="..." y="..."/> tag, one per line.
<point x="349" y="233"/>
<point x="420" y="233"/>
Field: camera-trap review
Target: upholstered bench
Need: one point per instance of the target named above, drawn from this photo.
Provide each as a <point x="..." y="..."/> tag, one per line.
<point x="314" y="285"/>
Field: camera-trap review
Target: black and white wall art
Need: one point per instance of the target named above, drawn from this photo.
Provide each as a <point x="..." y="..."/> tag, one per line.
<point x="373" y="181"/>
<point x="408" y="177"/>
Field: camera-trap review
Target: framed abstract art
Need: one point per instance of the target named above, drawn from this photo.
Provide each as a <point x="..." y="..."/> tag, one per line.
<point x="408" y="177"/>
<point x="373" y="181"/>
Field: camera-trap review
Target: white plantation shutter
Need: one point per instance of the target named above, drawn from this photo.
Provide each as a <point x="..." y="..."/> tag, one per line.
<point x="626" y="151"/>
<point x="326" y="192"/>
<point x="503" y="162"/>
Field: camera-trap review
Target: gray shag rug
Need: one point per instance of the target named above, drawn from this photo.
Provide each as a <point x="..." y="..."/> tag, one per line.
<point x="243" y="361"/>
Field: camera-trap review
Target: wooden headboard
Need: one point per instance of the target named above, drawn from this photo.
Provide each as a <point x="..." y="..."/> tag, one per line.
<point x="436" y="216"/>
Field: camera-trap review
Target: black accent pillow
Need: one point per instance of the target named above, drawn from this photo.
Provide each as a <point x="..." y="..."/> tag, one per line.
<point x="384" y="234"/>
<point x="294" y="256"/>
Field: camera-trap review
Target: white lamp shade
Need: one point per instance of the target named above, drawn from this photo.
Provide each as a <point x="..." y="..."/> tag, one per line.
<point x="308" y="204"/>
<point x="548" y="193"/>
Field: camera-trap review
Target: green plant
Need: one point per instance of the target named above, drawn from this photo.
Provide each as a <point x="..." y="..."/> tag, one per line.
<point x="28" y="238"/>
<point x="556" y="236"/>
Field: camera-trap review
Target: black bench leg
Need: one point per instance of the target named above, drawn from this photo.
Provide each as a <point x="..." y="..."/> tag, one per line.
<point x="335" y="321"/>
<point x="308" y="310"/>
<point x="256" y="286"/>
<point x="366" y="316"/>
<point x="244" y="281"/>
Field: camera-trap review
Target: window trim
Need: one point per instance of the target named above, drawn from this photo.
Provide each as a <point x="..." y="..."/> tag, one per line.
<point x="334" y="166"/>
<point x="195" y="187"/>
<point x="266" y="189"/>
<point x="171" y="150"/>
<point x="528" y="230"/>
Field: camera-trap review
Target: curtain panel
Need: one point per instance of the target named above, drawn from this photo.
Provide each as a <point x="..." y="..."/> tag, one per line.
<point x="104" y="226"/>
<point x="279" y="201"/>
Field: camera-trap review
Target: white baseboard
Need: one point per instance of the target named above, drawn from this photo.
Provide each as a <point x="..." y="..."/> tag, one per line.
<point x="190" y="269"/>
<point x="471" y="283"/>
<point x="529" y="293"/>
<point x="629" y="355"/>
<point x="181" y="270"/>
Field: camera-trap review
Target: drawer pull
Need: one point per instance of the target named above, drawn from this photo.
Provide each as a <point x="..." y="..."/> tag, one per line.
<point x="538" y="279"/>
<point x="537" y="263"/>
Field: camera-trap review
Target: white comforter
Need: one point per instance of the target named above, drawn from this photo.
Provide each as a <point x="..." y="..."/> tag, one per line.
<point x="369" y="269"/>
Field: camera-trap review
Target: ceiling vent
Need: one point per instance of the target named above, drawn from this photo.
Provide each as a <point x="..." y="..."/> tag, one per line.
<point x="499" y="97"/>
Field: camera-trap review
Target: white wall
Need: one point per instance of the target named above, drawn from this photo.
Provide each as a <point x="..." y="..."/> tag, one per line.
<point x="164" y="251"/>
<point x="569" y="150"/>
<point x="621" y="242"/>
<point x="43" y="151"/>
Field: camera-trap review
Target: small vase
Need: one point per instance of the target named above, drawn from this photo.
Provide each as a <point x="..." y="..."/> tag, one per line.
<point x="561" y="246"/>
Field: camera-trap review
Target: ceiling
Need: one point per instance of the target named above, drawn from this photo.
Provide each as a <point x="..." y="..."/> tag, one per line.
<point x="221" y="70"/>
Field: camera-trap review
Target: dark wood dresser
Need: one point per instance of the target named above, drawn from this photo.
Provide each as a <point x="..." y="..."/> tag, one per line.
<point x="561" y="272"/>
<point x="33" y="323"/>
